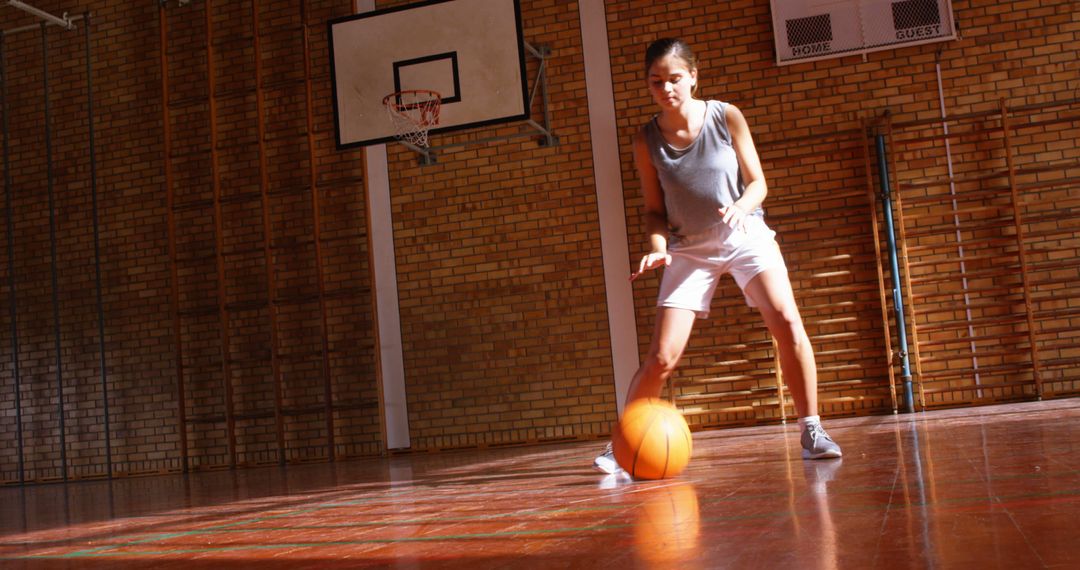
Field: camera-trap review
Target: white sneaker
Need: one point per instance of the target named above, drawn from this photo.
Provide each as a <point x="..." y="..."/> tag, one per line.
<point x="817" y="444"/>
<point x="615" y="480"/>
<point x="605" y="462"/>
<point x="819" y="474"/>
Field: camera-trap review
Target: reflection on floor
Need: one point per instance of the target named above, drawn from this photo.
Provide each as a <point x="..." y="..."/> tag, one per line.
<point x="994" y="486"/>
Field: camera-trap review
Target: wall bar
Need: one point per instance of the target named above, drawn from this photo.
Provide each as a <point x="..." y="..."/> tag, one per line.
<point x="1021" y="249"/>
<point x="52" y="252"/>
<point x="13" y="315"/>
<point x="268" y="256"/>
<point x="219" y="239"/>
<point x="313" y="181"/>
<point x="97" y="245"/>
<point x="174" y="278"/>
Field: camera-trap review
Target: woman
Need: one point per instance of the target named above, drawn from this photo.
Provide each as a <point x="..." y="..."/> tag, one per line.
<point x="703" y="187"/>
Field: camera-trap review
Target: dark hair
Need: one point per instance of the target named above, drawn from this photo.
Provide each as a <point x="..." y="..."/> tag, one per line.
<point x="669" y="46"/>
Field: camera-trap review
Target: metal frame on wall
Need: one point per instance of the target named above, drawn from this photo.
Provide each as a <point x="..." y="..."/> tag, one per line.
<point x="269" y="249"/>
<point x="1008" y="337"/>
<point x="1016" y="251"/>
<point x="67" y="23"/>
<point x="726" y="380"/>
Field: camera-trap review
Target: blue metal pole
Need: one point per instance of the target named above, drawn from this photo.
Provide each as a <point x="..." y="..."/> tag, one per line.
<point x="898" y="298"/>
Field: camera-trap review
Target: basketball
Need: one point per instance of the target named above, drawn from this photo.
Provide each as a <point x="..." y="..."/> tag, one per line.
<point x="668" y="525"/>
<point x="652" y="440"/>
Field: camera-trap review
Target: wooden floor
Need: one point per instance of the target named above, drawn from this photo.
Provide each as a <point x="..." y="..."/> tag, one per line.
<point x="989" y="487"/>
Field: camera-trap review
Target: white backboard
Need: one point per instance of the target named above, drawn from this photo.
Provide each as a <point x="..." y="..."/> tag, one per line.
<point x="470" y="51"/>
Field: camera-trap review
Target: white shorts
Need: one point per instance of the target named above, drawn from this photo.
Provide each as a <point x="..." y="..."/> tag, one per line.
<point x="698" y="261"/>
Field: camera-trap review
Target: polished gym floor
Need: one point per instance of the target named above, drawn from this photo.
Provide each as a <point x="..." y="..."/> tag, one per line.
<point x="986" y="487"/>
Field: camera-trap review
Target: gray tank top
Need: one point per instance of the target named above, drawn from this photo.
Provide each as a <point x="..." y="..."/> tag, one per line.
<point x="699" y="179"/>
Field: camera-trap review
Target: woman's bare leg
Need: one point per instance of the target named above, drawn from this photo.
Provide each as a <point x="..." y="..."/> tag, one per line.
<point x="771" y="292"/>
<point x="670" y="336"/>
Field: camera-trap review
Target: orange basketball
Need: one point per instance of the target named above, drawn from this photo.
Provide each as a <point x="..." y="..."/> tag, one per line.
<point x="668" y="525"/>
<point x="652" y="440"/>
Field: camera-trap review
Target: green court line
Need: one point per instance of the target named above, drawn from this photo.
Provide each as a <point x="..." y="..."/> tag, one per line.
<point x="166" y="536"/>
<point x="392" y="493"/>
<point x="223" y="526"/>
<point x="996" y="499"/>
<point x="415" y="521"/>
<point x="422" y="520"/>
<point x="389" y="494"/>
<point x="990" y="501"/>
<point x="452" y="488"/>
<point x="872" y="488"/>
<point x="228" y="526"/>
<point x="439" y="538"/>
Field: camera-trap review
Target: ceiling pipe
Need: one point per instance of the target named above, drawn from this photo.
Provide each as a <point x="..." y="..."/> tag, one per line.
<point x="63" y="22"/>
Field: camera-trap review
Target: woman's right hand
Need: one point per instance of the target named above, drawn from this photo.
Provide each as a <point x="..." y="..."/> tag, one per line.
<point x="652" y="261"/>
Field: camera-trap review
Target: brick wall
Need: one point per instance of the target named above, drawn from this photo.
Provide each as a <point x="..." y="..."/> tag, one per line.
<point x="808" y="122"/>
<point x="502" y="301"/>
<point x="149" y="347"/>
<point x="501" y="285"/>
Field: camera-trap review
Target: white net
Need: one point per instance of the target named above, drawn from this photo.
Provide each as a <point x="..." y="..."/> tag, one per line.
<point x="413" y="113"/>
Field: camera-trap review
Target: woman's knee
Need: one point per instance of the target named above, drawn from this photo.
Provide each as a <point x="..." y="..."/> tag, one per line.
<point x="787" y="325"/>
<point x="662" y="362"/>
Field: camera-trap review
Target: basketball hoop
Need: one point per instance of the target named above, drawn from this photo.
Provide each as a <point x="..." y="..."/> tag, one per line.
<point x="413" y="112"/>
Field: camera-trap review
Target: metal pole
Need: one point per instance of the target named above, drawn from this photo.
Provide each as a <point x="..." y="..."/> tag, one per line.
<point x="898" y="300"/>
<point x="9" y="190"/>
<point x="541" y="53"/>
<point x="57" y="345"/>
<point x="956" y="225"/>
<point x="219" y="240"/>
<point x="316" y="221"/>
<point x="64" y="22"/>
<point x="549" y="139"/>
<point x="170" y="213"/>
<point x="34" y="27"/>
<point x="904" y="260"/>
<point x="268" y="255"/>
<point x="97" y="245"/>
<point x="880" y="272"/>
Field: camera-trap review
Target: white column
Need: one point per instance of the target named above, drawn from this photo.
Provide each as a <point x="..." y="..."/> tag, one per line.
<point x="609" y="194"/>
<point x="384" y="281"/>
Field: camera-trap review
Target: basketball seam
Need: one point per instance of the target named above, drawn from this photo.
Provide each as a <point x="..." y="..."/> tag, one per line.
<point x="689" y="444"/>
<point x="667" y="455"/>
<point x="637" y="448"/>
<point x="689" y="437"/>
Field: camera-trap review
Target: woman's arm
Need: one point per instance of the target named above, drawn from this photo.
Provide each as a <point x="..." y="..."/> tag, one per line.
<point x="753" y="177"/>
<point x="656" y="225"/>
